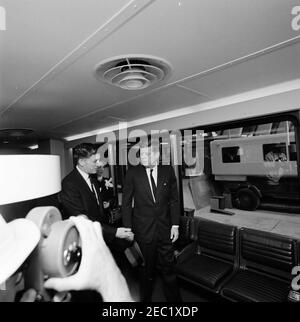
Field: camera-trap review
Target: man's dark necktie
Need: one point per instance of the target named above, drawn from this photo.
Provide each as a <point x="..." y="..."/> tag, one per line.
<point x="154" y="188"/>
<point x="94" y="189"/>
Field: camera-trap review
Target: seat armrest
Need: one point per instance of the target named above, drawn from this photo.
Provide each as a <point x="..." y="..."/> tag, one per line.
<point x="186" y="253"/>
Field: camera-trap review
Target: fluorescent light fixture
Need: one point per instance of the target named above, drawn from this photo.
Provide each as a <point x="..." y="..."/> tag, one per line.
<point x="33" y="147"/>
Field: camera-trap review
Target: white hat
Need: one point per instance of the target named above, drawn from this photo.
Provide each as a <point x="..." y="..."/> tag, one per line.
<point x="18" y="238"/>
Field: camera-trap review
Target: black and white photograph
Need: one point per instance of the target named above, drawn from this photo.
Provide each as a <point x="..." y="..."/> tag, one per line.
<point x="149" y="154"/>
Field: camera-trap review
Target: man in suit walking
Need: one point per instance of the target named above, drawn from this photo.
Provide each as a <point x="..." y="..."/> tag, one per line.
<point x="80" y="193"/>
<point x="154" y="219"/>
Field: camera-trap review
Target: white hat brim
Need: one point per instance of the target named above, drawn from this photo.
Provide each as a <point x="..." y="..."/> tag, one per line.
<point x="26" y="237"/>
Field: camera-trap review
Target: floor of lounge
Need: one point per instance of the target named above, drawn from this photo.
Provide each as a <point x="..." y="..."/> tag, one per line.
<point x="189" y="292"/>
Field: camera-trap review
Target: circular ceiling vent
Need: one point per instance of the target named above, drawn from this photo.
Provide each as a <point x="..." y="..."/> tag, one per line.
<point x="134" y="72"/>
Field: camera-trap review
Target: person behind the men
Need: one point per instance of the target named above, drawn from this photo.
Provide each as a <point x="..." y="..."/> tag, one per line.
<point x="106" y="189"/>
<point x="106" y="185"/>
<point x="154" y="219"/>
<point x="80" y="193"/>
<point x="97" y="271"/>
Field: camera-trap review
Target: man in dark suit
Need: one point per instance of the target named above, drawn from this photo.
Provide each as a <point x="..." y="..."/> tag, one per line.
<point x="80" y="193"/>
<point x="154" y="219"/>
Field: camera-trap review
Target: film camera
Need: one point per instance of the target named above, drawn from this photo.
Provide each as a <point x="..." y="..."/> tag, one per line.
<point x="58" y="253"/>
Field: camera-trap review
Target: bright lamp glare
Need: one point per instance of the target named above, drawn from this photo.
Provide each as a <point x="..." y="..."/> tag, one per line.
<point x="26" y="177"/>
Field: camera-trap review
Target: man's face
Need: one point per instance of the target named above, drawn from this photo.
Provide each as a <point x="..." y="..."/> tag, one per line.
<point x="149" y="157"/>
<point x="90" y="165"/>
<point x="100" y="169"/>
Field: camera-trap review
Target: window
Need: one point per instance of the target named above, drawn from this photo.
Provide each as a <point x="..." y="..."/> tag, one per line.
<point x="275" y="152"/>
<point x="231" y="155"/>
<point x="257" y="156"/>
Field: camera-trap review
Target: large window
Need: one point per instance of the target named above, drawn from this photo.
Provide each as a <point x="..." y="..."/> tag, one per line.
<point x="275" y="152"/>
<point x="255" y="164"/>
<point x="231" y="154"/>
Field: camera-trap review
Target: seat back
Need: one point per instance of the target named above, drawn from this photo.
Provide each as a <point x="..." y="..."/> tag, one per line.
<point x="217" y="239"/>
<point x="184" y="232"/>
<point x="267" y="252"/>
<point x="187" y="234"/>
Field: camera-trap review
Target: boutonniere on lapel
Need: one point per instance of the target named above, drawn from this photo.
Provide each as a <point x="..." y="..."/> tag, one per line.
<point x="109" y="184"/>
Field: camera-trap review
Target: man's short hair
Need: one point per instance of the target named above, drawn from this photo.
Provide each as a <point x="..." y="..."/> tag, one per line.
<point x="83" y="151"/>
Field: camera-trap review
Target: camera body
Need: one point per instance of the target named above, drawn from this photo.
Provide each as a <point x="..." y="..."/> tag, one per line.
<point x="58" y="253"/>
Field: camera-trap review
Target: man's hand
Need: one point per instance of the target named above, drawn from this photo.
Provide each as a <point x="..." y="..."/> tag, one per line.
<point x="106" y="204"/>
<point x="124" y="233"/>
<point x="29" y="296"/>
<point x="174" y="233"/>
<point x="98" y="270"/>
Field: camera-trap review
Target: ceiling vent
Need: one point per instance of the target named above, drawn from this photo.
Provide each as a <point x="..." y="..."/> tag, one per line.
<point x="133" y="72"/>
<point x="14" y="135"/>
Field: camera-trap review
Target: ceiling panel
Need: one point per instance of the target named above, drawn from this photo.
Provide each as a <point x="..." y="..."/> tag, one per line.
<point x="194" y="36"/>
<point x="41" y="33"/>
<point x="62" y="100"/>
<point x="166" y="100"/>
<point x="169" y="98"/>
<point x="276" y="67"/>
<point x="198" y="35"/>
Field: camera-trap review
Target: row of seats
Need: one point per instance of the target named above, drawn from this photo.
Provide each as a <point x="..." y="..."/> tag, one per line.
<point x="239" y="264"/>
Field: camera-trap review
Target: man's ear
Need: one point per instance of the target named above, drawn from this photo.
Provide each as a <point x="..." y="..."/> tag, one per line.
<point x="81" y="162"/>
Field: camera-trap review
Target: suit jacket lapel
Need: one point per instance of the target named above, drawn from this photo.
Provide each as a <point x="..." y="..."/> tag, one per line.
<point x="92" y="196"/>
<point x="160" y="180"/>
<point x="82" y="182"/>
<point x="97" y="190"/>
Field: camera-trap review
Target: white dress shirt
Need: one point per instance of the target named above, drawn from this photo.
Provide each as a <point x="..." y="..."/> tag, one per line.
<point x="86" y="177"/>
<point x="154" y="174"/>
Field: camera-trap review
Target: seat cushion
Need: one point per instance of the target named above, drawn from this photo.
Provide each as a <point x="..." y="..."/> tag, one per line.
<point x="253" y="287"/>
<point x="204" y="270"/>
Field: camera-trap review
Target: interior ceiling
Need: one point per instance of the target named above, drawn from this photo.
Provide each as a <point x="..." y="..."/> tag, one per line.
<point x="50" y="50"/>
